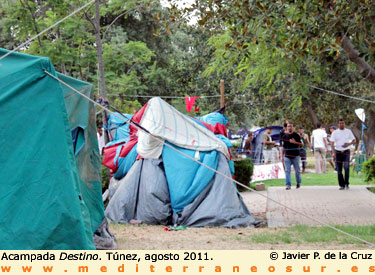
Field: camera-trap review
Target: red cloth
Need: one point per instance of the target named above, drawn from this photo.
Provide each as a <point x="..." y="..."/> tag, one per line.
<point x="217" y="129"/>
<point x="110" y="151"/>
<point x="137" y="118"/>
<point x="109" y="154"/>
<point x="190" y="102"/>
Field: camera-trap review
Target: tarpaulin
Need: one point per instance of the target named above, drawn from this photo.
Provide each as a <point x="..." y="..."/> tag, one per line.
<point x="186" y="178"/>
<point x="43" y="202"/>
<point x="166" y="123"/>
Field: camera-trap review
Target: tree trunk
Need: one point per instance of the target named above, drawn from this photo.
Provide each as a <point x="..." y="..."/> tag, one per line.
<point x="369" y="73"/>
<point x="370" y="133"/>
<point x="312" y="115"/>
<point x="99" y="52"/>
<point x="364" y="68"/>
<point x="63" y="68"/>
<point x="357" y="130"/>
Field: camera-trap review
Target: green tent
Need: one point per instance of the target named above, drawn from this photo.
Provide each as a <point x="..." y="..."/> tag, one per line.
<point x="50" y="190"/>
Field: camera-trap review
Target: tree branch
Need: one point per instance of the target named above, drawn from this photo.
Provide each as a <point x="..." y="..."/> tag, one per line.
<point x="119" y="16"/>
<point x="91" y="21"/>
<point x="364" y="68"/>
<point x="27" y="6"/>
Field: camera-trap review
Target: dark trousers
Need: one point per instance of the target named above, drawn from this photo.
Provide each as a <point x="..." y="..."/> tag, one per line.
<point x="302" y="154"/>
<point x="342" y="160"/>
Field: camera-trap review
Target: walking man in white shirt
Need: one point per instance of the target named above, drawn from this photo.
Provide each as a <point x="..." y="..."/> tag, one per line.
<point x="319" y="141"/>
<point x="341" y="139"/>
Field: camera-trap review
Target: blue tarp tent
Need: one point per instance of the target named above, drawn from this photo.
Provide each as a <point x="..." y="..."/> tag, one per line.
<point x="168" y="188"/>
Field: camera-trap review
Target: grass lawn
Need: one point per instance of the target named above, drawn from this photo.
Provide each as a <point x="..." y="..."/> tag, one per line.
<point x="306" y="234"/>
<point x="312" y="179"/>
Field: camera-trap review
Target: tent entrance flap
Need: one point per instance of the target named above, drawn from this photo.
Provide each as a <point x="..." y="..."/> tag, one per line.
<point x="78" y="138"/>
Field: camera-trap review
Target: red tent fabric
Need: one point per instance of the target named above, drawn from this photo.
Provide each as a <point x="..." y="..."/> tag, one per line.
<point x="110" y="151"/>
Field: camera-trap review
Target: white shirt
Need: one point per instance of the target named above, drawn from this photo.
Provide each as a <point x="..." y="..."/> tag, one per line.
<point x="339" y="137"/>
<point x="319" y="135"/>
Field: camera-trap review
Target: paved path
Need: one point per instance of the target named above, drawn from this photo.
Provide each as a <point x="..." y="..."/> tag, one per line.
<point x="355" y="206"/>
<point x="257" y="204"/>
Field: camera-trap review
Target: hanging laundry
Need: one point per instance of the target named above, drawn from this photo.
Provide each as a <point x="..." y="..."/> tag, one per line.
<point x="196" y="108"/>
<point x="190" y="102"/>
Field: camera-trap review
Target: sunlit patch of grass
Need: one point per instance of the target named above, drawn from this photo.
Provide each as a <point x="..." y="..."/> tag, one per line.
<point x="312" y="179"/>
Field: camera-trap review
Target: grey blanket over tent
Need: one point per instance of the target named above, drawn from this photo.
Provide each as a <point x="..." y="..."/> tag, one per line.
<point x="143" y="195"/>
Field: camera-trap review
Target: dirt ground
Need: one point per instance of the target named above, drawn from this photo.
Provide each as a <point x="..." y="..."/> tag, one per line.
<point x="153" y="237"/>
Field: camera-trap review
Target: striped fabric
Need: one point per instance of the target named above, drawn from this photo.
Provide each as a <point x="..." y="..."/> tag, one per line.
<point x="165" y="122"/>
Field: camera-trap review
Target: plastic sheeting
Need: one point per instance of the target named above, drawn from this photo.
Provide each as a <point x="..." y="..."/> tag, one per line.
<point x="214" y="118"/>
<point x="165" y="122"/>
<point x="219" y="204"/>
<point x="124" y="164"/>
<point x="144" y="195"/>
<point x="186" y="178"/>
<point x="141" y="195"/>
<point x="119" y="127"/>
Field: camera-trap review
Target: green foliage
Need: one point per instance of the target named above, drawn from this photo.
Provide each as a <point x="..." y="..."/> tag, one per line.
<point x="146" y="49"/>
<point x="275" y="51"/>
<point x="127" y="65"/>
<point x="236" y="145"/>
<point x="368" y="169"/>
<point x="243" y="172"/>
<point x="105" y="178"/>
<point x="267" y="78"/>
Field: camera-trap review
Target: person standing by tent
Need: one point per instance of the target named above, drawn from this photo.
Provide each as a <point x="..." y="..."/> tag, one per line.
<point x="319" y="141"/>
<point x="291" y="152"/>
<point x="341" y="139"/>
<point x="306" y="144"/>
<point x="268" y="145"/>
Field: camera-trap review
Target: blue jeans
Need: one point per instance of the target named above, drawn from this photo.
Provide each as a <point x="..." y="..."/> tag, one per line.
<point x="343" y="160"/>
<point x="288" y="167"/>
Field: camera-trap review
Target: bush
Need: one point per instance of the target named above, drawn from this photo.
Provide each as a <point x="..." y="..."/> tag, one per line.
<point x="243" y="170"/>
<point x="105" y="178"/>
<point x="236" y="144"/>
<point x="368" y="168"/>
